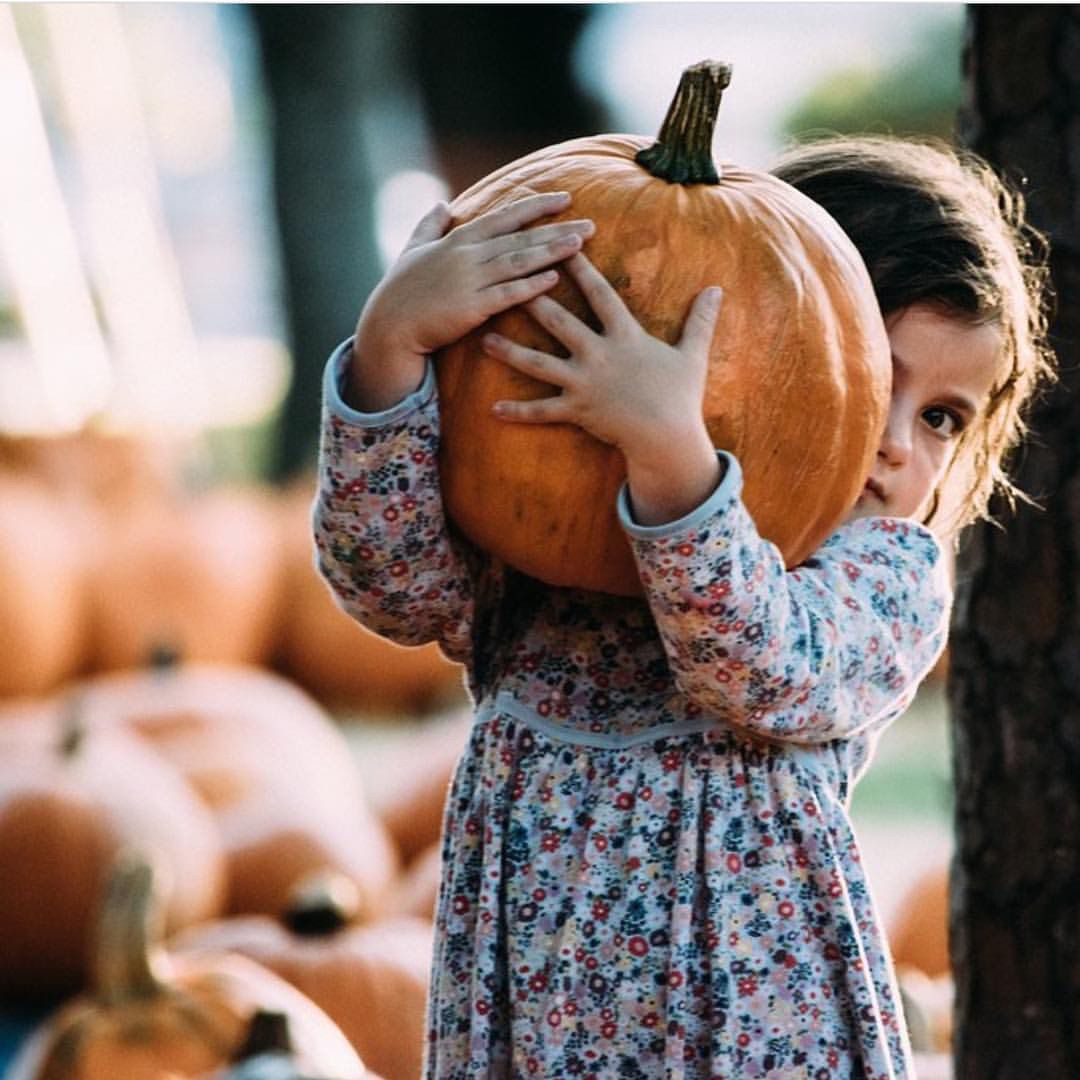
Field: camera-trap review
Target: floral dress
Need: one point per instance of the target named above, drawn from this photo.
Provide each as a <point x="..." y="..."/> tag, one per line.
<point x="648" y="865"/>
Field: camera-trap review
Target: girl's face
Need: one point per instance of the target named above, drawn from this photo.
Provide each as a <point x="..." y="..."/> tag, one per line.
<point x="943" y="372"/>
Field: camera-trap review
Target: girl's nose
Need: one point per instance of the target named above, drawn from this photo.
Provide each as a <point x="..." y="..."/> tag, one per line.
<point x="895" y="446"/>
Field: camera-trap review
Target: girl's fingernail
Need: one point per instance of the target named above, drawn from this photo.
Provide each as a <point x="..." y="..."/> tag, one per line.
<point x="490" y="341"/>
<point x="499" y="408"/>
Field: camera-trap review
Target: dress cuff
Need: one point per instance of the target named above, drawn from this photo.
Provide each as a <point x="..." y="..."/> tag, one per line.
<point x="333" y="387"/>
<point x="725" y="493"/>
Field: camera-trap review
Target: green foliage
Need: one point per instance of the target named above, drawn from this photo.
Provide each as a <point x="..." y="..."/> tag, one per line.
<point x="917" y="95"/>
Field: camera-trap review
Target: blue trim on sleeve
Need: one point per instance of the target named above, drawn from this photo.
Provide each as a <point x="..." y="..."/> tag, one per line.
<point x="333" y="381"/>
<point x="727" y="491"/>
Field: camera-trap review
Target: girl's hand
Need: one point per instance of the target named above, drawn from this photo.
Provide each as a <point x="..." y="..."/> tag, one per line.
<point x="445" y="284"/>
<point x="628" y="389"/>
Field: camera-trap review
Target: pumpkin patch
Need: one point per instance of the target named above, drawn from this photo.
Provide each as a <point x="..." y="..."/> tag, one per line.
<point x="149" y="1014"/>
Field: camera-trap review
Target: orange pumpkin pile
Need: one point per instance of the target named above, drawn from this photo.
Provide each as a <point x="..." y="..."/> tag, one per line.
<point x="799" y="372"/>
<point x="232" y="776"/>
<point x="70" y="800"/>
<point x="106" y="559"/>
<point x="147" y="1015"/>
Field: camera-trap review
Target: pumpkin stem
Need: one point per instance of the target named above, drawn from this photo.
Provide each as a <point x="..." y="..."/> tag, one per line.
<point x="268" y="1033"/>
<point x="72" y="728"/>
<point x="163" y="658"/>
<point x="321" y="904"/>
<point x="127" y="958"/>
<point x="682" y="153"/>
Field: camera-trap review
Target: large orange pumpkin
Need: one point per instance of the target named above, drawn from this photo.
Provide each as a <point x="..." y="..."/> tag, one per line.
<point x="799" y="373"/>
<point x="154" y="1016"/>
<point x="70" y="799"/>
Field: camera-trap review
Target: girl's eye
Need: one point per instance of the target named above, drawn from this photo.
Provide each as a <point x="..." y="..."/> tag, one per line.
<point x="943" y="422"/>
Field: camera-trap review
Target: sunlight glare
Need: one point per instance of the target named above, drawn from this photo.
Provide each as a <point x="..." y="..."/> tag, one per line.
<point x="401" y="201"/>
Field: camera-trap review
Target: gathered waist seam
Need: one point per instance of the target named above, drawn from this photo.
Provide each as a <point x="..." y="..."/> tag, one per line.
<point x="507" y="704"/>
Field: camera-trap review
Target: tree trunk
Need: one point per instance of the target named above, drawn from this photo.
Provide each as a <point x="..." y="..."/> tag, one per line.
<point x="323" y="66"/>
<point x="1015" y="671"/>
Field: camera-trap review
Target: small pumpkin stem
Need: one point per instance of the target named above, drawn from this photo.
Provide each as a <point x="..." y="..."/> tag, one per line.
<point x="268" y="1033"/>
<point x="321" y="904"/>
<point x="72" y="728"/>
<point x="163" y="658"/>
<point x="682" y="153"/>
<point x="129" y="930"/>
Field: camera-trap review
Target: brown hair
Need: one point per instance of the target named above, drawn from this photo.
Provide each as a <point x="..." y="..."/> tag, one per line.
<point x="936" y="225"/>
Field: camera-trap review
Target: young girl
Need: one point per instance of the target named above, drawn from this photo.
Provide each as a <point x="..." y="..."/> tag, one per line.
<point x="649" y="870"/>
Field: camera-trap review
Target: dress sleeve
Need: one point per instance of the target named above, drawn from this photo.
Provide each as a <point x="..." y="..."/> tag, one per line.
<point x="808" y="655"/>
<point x="381" y="537"/>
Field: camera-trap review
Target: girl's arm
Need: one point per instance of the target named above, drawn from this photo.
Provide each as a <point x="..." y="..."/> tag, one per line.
<point x="809" y="655"/>
<point x="381" y="539"/>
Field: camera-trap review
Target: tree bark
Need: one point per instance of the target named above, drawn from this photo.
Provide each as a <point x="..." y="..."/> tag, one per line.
<point x="1015" y="652"/>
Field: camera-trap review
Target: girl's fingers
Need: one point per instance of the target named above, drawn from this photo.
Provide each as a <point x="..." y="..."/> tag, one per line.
<point x="510" y="218"/>
<point x="599" y="293"/>
<point x="549" y="410"/>
<point x="508" y="294"/>
<point x="560" y="324"/>
<point x="526" y="260"/>
<point x="540" y="365"/>
<point x="542" y="235"/>
<point x="431" y="226"/>
<point x="700" y="324"/>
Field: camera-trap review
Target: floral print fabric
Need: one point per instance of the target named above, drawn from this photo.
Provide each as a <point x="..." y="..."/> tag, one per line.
<point x="649" y="869"/>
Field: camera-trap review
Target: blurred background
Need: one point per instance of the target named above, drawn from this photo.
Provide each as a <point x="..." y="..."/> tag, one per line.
<point x="195" y="200"/>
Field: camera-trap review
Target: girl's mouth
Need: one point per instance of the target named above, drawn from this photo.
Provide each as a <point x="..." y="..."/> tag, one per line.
<point x="875" y="489"/>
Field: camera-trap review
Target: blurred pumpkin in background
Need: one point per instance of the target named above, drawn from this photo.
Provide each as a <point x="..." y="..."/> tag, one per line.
<point x="71" y="797"/>
<point x="370" y="979"/>
<point x="416" y="890"/>
<point x="199" y="573"/>
<point x="271" y="765"/>
<point x="149" y="1014"/>
<point x="336" y="658"/>
<point x="919" y="941"/>
<point x="919" y="934"/>
<point x="46" y="551"/>
<point x="108" y="468"/>
<point x="422" y="766"/>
